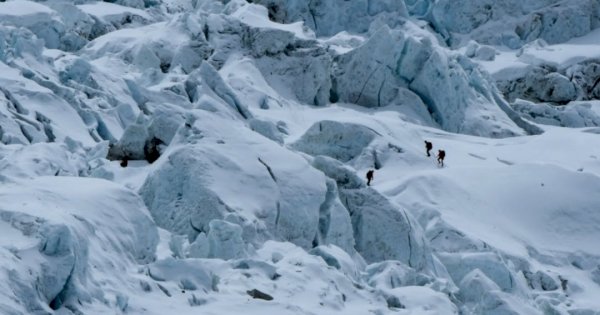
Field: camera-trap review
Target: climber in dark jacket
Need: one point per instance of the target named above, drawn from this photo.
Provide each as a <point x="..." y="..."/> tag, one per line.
<point x="369" y="177"/>
<point x="124" y="161"/>
<point x="428" y="147"/>
<point x="440" y="157"/>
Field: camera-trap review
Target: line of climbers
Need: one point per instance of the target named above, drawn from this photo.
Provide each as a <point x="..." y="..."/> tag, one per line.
<point x="440" y="156"/>
<point x="428" y="147"/>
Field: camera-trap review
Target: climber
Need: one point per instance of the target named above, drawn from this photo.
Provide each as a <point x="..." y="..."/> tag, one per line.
<point x="124" y="161"/>
<point x="369" y="177"/>
<point x="440" y="157"/>
<point x="428" y="147"/>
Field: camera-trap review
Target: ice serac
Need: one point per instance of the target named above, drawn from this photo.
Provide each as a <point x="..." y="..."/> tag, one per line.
<point x="512" y="23"/>
<point x="342" y="141"/>
<point x="261" y="118"/>
<point x="381" y="230"/>
<point x="458" y="96"/>
<point x="327" y="18"/>
<point x="69" y="230"/>
<point x="270" y="191"/>
<point x="547" y="82"/>
<point x="575" y="115"/>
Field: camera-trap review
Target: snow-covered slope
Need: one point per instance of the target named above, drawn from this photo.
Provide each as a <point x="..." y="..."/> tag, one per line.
<point x="208" y="156"/>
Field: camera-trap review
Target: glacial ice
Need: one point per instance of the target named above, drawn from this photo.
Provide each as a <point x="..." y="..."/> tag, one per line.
<point x="258" y="122"/>
<point x="70" y="228"/>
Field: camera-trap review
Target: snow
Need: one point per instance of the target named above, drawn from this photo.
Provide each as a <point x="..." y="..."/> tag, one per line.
<point x="23" y="8"/>
<point x="108" y="10"/>
<point x="256" y="16"/>
<point x="511" y="63"/>
<point x="209" y="157"/>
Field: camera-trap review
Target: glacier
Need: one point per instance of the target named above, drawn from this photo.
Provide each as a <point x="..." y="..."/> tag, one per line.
<point x="208" y="156"/>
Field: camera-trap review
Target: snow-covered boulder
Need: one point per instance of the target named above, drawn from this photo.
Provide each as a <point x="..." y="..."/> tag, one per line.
<point x="585" y="76"/>
<point x="44" y="22"/>
<point x="341" y="141"/>
<point x="306" y="71"/>
<point x="511" y="22"/>
<point x="458" y="96"/>
<point x="344" y="176"/>
<point x="493" y="266"/>
<point x="420" y="300"/>
<point x="335" y="226"/>
<point x="481" y="295"/>
<point x="41" y="159"/>
<point x="443" y="237"/>
<point x="339" y="259"/>
<point x="575" y="114"/>
<point x="540" y="281"/>
<point x="540" y="85"/>
<point x="133" y="142"/>
<point x="68" y="26"/>
<point x="552" y="84"/>
<point x="475" y="286"/>
<point x="189" y="274"/>
<point x="225" y="240"/>
<point x="480" y="52"/>
<point x="394" y="274"/>
<point x="272" y="191"/>
<point x="561" y="22"/>
<point x="69" y="231"/>
<point x="267" y="129"/>
<point x="384" y="232"/>
<point x="160" y="46"/>
<point x="42" y="115"/>
<point x="367" y="75"/>
<point x="283" y="53"/>
<point x="327" y="18"/>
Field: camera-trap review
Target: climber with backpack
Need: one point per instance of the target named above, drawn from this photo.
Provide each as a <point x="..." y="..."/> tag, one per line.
<point x="428" y="147"/>
<point x="369" y="177"/>
<point x="440" y="157"/>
